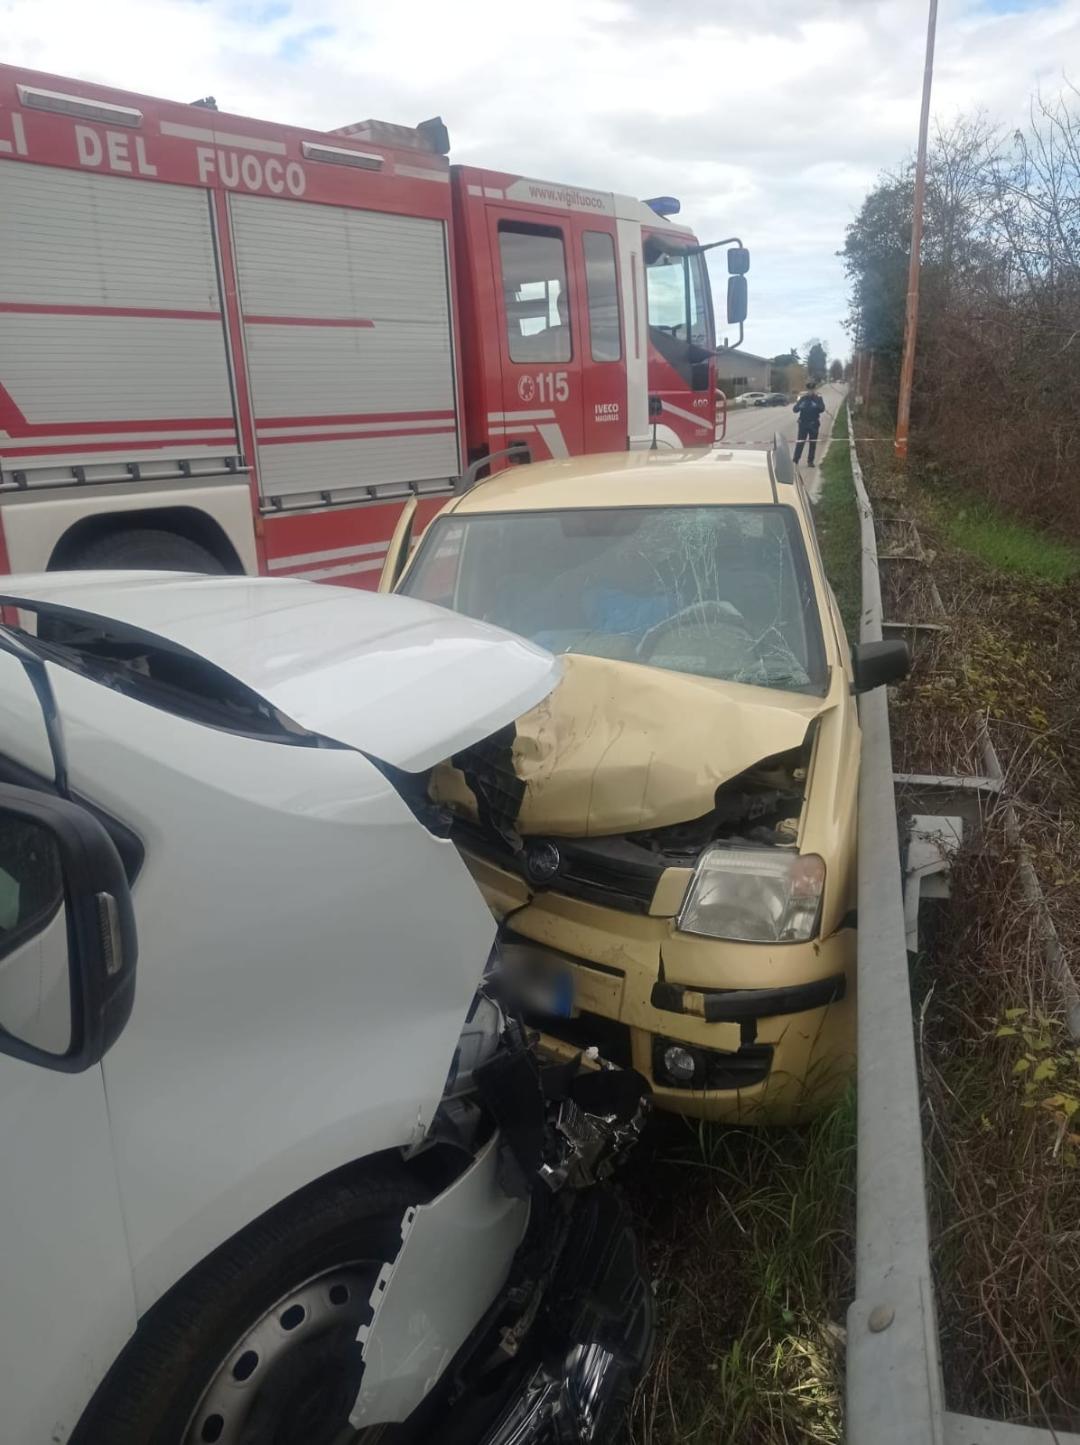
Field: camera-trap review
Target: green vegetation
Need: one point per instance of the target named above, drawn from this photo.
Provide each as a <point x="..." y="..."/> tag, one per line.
<point x="1000" y="1076"/>
<point x="751" y="1250"/>
<point x="1004" y="543"/>
<point x="995" y="408"/>
<point x="1048" y="1066"/>
<point x="1001" y="1084"/>
<point x="837" y="520"/>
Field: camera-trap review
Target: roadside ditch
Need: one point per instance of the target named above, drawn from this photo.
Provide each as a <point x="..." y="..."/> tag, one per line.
<point x="999" y="660"/>
<point x="749" y="1235"/>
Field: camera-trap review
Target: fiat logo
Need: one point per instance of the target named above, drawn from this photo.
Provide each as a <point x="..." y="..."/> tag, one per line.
<point x="542" y="862"/>
<point x="526" y="388"/>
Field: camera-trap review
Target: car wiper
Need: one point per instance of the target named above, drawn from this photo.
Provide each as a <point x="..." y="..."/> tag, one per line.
<point x="155" y="671"/>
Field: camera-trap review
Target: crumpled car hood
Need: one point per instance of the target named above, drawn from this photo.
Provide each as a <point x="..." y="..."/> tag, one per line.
<point x="403" y="681"/>
<point x="619" y="748"/>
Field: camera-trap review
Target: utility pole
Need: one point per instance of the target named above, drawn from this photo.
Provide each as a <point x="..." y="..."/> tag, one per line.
<point x="911" y="317"/>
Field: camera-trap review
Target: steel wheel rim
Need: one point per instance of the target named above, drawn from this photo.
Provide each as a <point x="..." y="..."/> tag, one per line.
<point x="268" y="1381"/>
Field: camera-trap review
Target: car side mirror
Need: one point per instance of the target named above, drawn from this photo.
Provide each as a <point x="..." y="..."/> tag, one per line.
<point x="876" y="663"/>
<point x="67" y="933"/>
<point x="738" y="261"/>
<point x="737" y="300"/>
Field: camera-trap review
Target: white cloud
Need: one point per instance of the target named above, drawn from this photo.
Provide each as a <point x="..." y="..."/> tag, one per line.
<point x="770" y="120"/>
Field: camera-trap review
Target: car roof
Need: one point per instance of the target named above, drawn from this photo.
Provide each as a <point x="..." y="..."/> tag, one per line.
<point x="713" y="476"/>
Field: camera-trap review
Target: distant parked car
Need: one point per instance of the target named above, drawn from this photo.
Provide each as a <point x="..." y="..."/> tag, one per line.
<point x="773" y="398"/>
<point x="750" y="398"/>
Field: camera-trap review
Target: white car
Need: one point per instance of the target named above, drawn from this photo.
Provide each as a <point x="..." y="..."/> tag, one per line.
<point x="296" y="1173"/>
<point x="750" y="398"/>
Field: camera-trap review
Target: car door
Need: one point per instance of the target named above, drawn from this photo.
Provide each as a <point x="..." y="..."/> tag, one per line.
<point x="681" y="340"/>
<point x="605" y="423"/>
<point x="540" y="341"/>
<point x="397" y="554"/>
<point x="65" y="1274"/>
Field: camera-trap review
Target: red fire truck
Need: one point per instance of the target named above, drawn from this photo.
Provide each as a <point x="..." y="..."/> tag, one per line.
<point x="230" y="345"/>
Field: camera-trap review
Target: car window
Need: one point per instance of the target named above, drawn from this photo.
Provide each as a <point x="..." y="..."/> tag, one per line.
<point x="535" y="294"/>
<point x="602" y="289"/>
<point x="722" y="592"/>
<point x="680" y="325"/>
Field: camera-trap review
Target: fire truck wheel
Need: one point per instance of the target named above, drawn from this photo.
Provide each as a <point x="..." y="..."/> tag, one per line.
<point x="259" y="1341"/>
<point x="147" y="548"/>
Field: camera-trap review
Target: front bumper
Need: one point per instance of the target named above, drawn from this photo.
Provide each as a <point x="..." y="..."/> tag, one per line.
<point x="774" y="1025"/>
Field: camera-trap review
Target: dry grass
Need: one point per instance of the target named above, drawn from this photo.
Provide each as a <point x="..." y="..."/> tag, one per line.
<point x="1002" y="1162"/>
<point x="1001" y="1077"/>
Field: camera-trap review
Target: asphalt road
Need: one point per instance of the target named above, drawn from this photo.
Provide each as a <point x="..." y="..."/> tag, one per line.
<point x="757" y="425"/>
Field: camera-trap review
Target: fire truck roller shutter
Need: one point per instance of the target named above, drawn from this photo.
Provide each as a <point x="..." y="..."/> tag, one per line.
<point x="112" y="348"/>
<point x="349" y="352"/>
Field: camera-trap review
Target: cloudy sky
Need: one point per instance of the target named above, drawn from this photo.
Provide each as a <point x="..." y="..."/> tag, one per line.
<point x="769" y="118"/>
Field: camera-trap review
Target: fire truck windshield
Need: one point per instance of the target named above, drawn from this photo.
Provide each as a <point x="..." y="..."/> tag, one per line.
<point x="680" y="318"/>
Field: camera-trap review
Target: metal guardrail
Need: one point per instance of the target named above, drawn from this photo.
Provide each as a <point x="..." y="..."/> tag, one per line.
<point x="895" y="1393"/>
<point x="894" y="1389"/>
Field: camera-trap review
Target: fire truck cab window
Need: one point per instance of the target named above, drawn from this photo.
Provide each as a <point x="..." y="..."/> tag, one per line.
<point x="535" y="292"/>
<point x="680" y="325"/>
<point x="602" y="286"/>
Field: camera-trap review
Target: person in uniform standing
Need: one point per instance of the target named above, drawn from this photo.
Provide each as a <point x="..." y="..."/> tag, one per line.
<point x="808" y="409"/>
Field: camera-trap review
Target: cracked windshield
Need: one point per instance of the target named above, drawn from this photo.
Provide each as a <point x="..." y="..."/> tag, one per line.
<point x="721" y="592"/>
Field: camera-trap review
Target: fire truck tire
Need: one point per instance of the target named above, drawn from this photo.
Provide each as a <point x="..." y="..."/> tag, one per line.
<point x="259" y="1341"/>
<point x="147" y="548"/>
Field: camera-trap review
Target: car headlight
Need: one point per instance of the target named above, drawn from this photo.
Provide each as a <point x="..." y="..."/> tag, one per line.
<point x="754" y="895"/>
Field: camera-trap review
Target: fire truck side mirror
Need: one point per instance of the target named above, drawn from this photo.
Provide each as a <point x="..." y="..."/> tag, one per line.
<point x="738" y="261"/>
<point x="736" y="300"/>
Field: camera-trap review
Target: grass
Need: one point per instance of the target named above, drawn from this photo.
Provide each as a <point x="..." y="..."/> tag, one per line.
<point x="1001" y="1082"/>
<point x="837" y="520"/>
<point x="750" y="1249"/>
<point x="1005" y="543"/>
<point x="1000" y="1078"/>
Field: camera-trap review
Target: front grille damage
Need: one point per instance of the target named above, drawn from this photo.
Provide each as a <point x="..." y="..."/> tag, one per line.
<point x="759" y="807"/>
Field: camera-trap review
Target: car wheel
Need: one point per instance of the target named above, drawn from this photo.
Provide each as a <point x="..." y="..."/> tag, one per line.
<point x="259" y="1342"/>
<point x="147" y="549"/>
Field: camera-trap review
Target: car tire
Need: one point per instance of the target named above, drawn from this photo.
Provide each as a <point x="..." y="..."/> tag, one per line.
<point x="147" y="549"/>
<point x="259" y="1341"/>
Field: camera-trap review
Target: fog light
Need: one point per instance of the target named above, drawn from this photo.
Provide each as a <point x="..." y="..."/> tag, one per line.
<point x="676" y="1065"/>
<point x="679" y="1064"/>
